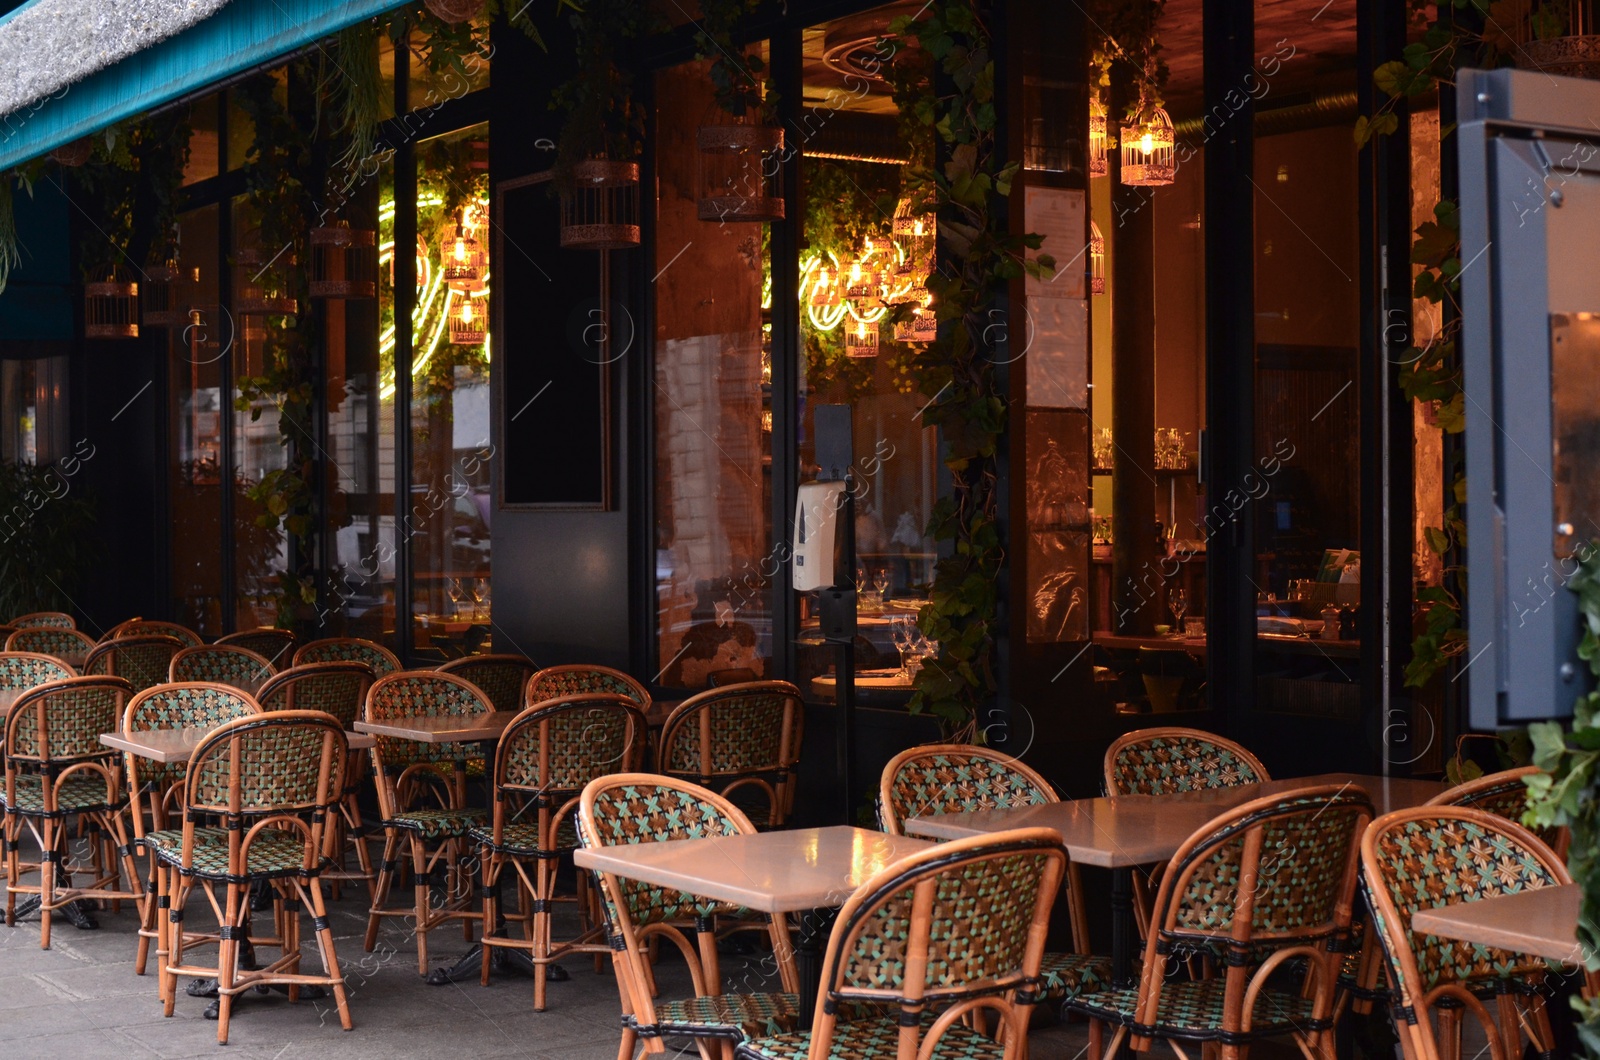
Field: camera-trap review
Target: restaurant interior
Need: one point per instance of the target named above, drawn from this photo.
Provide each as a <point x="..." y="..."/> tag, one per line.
<point x="974" y="461"/>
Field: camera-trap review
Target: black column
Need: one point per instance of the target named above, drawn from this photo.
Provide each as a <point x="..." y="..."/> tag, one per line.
<point x="1386" y="428"/>
<point x="1229" y="226"/>
<point x="405" y="297"/>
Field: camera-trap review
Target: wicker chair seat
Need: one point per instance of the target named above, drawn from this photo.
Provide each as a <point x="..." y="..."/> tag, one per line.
<point x="439" y="824"/>
<point x="1069" y="975"/>
<point x="523" y="840"/>
<point x="736" y="1016"/>
<point x="80" y="794"/>
<point x="876" y="1039"/>
<point x="273" y="855"/>
<point x="1193" y="1010"/>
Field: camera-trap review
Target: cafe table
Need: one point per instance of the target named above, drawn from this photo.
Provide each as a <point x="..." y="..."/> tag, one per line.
<point x="176" y="746"/>
<point x="1122" y="832"/>
<point x="801" y="870"/>
<point x="1542" y="922"/>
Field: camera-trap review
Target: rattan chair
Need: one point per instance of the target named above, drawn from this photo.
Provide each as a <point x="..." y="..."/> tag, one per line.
<point x="44" y="620"/>
<point x="554" y="682"/>
<point x="1271" y="884"/>
<point x="545" y="757"/>
<point x="270" y="780"/>
<point x="223" y="664"/>
<point x="273" y="644"/>
<point x="410" y="775"/>
<point x="1504" y="794"/>
<point x="65" y="645"/>
<point x="340" y="689"/>
<point x="941" y="939"/>
<point x="56" y="768"/>
<point x="144" y="627"/>
<point x="500" y="677"/>
<point x="648" y="808"/>
<point x="1430" y="856"/>
<point x="22" y="670"/>
<point x="154" y="789"/>
<point x="144" y="661"/>
<point x="349" y="649"/>
<point x="742" y="741"/>
<point x="962" y="778"/>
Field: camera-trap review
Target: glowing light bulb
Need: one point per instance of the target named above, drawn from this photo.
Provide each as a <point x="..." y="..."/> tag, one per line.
<point x="466" y="311"/>
<point x="460" y="252"/>
<point x="1147" y="143"/>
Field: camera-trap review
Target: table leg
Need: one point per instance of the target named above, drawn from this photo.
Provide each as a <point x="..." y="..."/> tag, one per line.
<point x="1124" y="939"/>
<point x="813" y="929"/>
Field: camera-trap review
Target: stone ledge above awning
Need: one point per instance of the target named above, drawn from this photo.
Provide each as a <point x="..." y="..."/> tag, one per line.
<point x="47" y="45"/>
<point x="235" y="37"/>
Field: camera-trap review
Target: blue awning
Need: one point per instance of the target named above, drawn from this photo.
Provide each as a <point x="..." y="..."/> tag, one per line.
<point x="241" y="36"/>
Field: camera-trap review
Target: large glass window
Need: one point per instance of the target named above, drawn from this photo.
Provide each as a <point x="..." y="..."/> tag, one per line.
<point x="33" y="393"/>
<point x="713" y="456"/>
<point x="449" y="512"/>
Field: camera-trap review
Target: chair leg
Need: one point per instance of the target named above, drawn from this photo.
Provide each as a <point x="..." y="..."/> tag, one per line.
<point x="330" y="959"/>
<point x="228" y="954"/>
<point x="419" y="870"/>
<point x="491" y="875"/>
<point x="47" y="879"/>
<point x="173" y="927"/>
<point x="380" y="894"/>
<point x="544" y="874"/>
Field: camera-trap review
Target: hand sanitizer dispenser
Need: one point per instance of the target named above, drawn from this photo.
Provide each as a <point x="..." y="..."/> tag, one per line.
<point x="816" y="522"/>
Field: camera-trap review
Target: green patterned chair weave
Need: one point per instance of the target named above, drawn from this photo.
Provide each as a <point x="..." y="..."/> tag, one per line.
<point x="77" y="794"/>
<point x="1504" y="794"/>
<point x="62" y="723"/>
<point x="273" y="855"/>
<point x="178" y="706"/>
<point x="1167" y="761"/>
<point x="1443" y="855"/>
<point x="59" y="644"/>
<point x="139" y="627"/>
<point x="274" y="645"/>
<point x="500" y="677"/>
<point x="278" y="768"/>
<point x="20" y="670"/>
<point x="555" y="682"/>
<point x="870" y="1040"/>
<point x="145" y="660"/>
<point x="1299" y="847"/>
<point x="337" y="688"/>
<point x="954" y="778"/>
<point x="350" y="649"/>
<point x="223" y="665"/>
<point x="44" y="620"/>
<point x="653" y="813"/>
<point x="427" y="694"/>
<point x="735" y="1016"/>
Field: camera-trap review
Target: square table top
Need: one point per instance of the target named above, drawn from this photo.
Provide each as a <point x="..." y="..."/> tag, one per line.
<point x="1121" y="831"/>
<point x="773" y="872"/>
<point x="441" y="730"/>
<point x="170" y="746"/>
<point x="1542" y="922"/>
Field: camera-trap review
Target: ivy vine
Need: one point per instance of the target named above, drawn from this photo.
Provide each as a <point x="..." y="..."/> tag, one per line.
<point x="1564" y="793"/>
<point x="957" y="373"/>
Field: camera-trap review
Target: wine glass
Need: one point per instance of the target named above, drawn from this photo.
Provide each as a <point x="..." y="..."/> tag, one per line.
<point x="1177" y="603"/>
<point x="900" y="632"/>
<point x="480" y="589"/>
<point x="455" y="592"/>
<point x="880" y="582"/>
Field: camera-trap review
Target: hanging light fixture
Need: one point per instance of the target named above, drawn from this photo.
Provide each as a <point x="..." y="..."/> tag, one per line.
<point x="825" y="288"/>
<point x="262" y="279"/>
<point x="861" y="339"/>
<point x="922" y="326"/>
<point x="111" y="307"/>
<point x="862" y="282"/>
<point x="740" y="174"/>
<point x="1097" y="139"/>
<point x="1148" y="149"/>
<point x="465" y="260"/>
<point x="916" y="237"/>
<point x="469" y="321"/>
<point x="1097" y="260"/>
<point x="600" y="209"/>
<point x="168" y="293"/>
<point x="344" y="262"/>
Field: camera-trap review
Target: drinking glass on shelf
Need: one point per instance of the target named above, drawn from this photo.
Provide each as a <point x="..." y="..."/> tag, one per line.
<point x="455" y="592"/>
<point x="1177" y="603"/>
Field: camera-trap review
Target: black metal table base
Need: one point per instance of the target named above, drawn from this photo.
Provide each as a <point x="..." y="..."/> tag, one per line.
<point x="77" y="913"/>
<point x="502" y="961"/>
<point x="812" y="932"/>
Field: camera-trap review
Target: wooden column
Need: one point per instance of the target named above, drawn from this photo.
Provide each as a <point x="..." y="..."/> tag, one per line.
<point x="1137" y="599"/>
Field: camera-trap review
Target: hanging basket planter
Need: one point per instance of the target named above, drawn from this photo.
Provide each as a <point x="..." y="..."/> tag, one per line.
<point x="74" y="154"/>
<point x="262" y="279"/>
<point x="741" y="171"/>
<point x="454" y="11"/>
<point x="344" y="262"/>
<point x="167" y="295"/>
<point x="600" y="209"/>
<point x="111" y="307"/>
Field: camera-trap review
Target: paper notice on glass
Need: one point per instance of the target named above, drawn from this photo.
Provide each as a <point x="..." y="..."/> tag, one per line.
<point x="1057" y="337"/>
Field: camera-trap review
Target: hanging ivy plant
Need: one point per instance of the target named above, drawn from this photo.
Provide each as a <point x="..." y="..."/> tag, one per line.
<point x="603" y="119"/>
<point x="957" y="373"/>
<point x="738" y="74"/>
